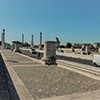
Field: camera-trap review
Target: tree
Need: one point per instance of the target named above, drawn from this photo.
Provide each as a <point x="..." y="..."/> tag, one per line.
<point x="68" y="45"/>
<point x="17" y="42"/>
<point x="25" y="44"/>
<point x="62" y="46"/>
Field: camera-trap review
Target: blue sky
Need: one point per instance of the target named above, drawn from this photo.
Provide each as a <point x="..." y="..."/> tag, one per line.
<point x="75" y="21"/>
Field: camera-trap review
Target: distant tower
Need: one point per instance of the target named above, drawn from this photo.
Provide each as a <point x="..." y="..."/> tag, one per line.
<point x="40" y="40"/>
<point x="22" y="38"/>
<point x="3" y="39"/>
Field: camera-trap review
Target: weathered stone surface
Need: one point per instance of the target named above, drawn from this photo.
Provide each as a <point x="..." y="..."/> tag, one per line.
<point x="44" y="82"/>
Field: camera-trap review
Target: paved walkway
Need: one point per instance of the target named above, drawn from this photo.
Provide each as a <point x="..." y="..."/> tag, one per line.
<point x="17" y="89"/>
<point x="31" y="73"/>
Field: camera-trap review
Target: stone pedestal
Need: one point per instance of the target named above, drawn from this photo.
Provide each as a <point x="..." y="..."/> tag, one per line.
<point x="17" y="48"/>
<point x="49" y="52"/>
<point x="72" y="49"/>
<point x="32" y="46"/>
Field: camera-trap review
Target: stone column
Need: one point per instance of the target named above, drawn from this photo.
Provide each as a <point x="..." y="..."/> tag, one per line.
<point x="22" y="38"/>
<point x="3" y="39"/>
<point x="49" y="52"/>
<point x="40" y="40"/>
<point x="87" y="50"/>
<point x="32" y="40"/>
<point x="32" y="43"/>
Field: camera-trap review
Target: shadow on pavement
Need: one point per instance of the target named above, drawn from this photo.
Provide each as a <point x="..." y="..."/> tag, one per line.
<point x="77" y="60"/>
<point x="10" y="86"/>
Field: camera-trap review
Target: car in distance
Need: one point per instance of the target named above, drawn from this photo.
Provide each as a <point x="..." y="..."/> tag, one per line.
<point x="96" y="59"/>
<point x="60" y="50"/>
<point x="32" y="51"/>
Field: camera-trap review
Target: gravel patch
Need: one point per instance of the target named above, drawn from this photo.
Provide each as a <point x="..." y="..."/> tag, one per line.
<point x="48" y="81"/>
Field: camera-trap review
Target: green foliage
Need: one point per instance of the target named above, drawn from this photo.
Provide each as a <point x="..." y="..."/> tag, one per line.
<point x="26" y="44"/>
<point x="17" y="42"/>
<point x="68" y="45"/>
<point x="62" y="46"/>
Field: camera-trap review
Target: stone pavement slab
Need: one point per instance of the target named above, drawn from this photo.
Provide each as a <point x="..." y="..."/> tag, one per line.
<point x="51" y="82"/>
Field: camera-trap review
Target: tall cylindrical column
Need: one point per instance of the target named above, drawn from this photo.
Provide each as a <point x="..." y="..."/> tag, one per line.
<point x="32" y="44"/>
<point x="32" y="40"/>
<point x="40" y="40"/>
<point x="3" y="39"/>
<point x="22" y="38"/>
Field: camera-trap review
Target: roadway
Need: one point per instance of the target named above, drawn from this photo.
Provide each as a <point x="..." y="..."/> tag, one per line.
<point x="77" y="60"/>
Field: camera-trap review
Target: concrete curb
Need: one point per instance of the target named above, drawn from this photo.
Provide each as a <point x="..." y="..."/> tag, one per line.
<point x="91" y="95"/>
<point x="39" y="61"/>
<point x="76" y="68"/>
<point x="16" y="88"/>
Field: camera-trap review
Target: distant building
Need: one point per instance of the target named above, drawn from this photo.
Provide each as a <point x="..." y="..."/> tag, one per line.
<point x="97" y="44"/>
<point x="7" y="46"/>
<point x="77" y="45"/>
